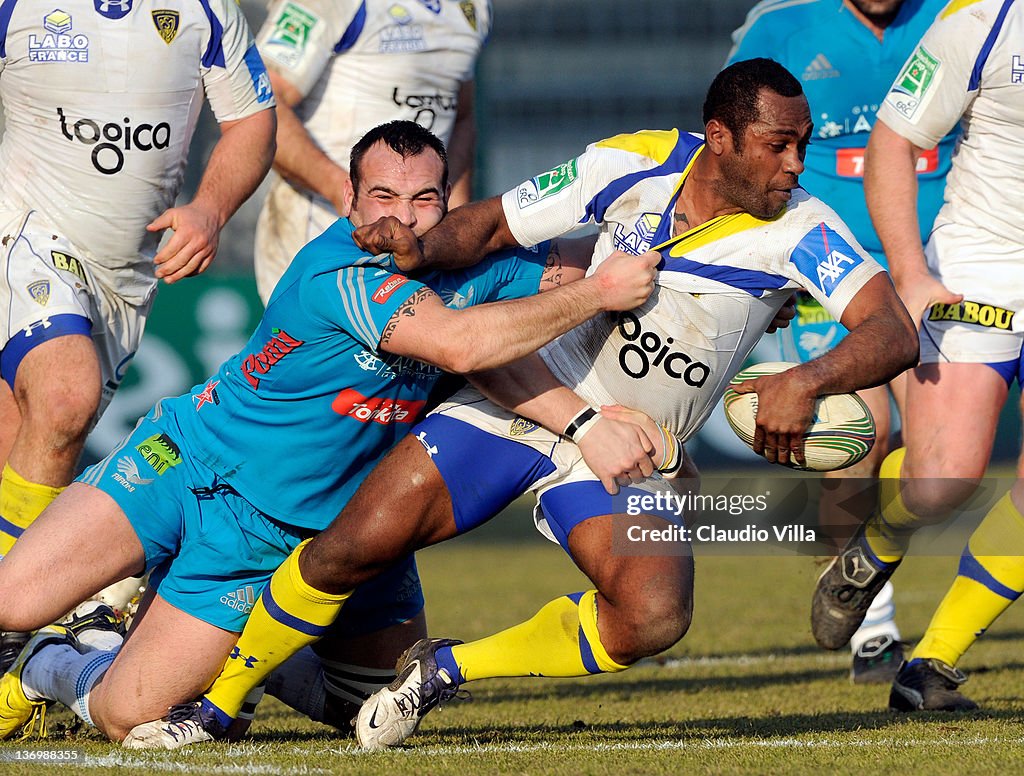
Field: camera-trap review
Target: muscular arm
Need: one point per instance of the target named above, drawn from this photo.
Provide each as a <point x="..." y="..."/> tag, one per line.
<point x="890" y="186"/>
<point x="239" y="161"/>
<point x="462" y="148"/>
<point x="786" y="400"/>
<point x="466" y="235"/>
<point x="299" y="159"/>
<point x="616" y="451"/>
<point x="490" y="335"/>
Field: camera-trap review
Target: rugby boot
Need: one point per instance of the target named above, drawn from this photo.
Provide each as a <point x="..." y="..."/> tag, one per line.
<point x="17" y="712"/>
<point x="393" y="713"/>
<point x="929" y="684"/>
<point x="845" y="591"/>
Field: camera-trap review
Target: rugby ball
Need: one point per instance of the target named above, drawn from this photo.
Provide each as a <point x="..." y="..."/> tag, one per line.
<point x="841" y="434"/>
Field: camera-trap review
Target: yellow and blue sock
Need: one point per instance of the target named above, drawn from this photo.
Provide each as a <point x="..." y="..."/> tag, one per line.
<point x="887" y="532"/>
<point x="989" y="579"/>
<point x="288" y="615"/>
<point x="560" y="640"/>
<point x="21" y="502"/>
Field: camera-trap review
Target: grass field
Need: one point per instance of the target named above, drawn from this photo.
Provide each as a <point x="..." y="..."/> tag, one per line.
<point x="745" y="692"/>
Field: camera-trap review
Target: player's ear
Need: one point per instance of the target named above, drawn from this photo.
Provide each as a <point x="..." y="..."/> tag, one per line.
<point x="348" y="196"/>
<point x="717" y="137"/>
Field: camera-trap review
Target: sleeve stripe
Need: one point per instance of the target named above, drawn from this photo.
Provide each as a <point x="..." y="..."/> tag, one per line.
<point x="347" y="291"/>
<point x="214" y="55"/>
<point x="354" y="30"/>
<point x="986" y="49"/>
<point x="5" y="20"/>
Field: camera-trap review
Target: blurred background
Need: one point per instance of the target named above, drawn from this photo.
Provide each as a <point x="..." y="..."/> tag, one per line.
<point x="554" y="76"/>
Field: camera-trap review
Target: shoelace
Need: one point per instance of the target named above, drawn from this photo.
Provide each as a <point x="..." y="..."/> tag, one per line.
<point x="438" y="694"/>
<point x="36" y="725"/>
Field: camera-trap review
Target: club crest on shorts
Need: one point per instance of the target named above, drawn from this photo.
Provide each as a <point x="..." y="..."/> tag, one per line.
<point x="522" y="427"/>
<point x="469" y="11"/>
<point x="40" y="292"/>
<point x="166" y="23"/>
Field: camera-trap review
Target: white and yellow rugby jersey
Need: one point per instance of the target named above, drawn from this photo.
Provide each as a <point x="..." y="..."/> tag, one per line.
<point x="360" y="63"/>
<point x="970" y="63"/>
<point x="100" y="101"/>
<point x="719" y="286"/>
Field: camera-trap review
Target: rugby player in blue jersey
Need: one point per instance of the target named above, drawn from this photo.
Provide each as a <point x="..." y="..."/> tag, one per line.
<point x="846" y="54"/>
<point x="216" y="487"/>
<point x="737" y="235"/>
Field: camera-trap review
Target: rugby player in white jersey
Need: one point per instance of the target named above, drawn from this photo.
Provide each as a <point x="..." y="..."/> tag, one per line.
<point x="966" y="290"/>
<point x="340" y="67"/>
<point x="737" y="236"/>
<point x="100" y="102"/>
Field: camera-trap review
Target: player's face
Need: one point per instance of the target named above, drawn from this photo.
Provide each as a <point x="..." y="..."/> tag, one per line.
<point x="760" y="176"/>
<point x="407" y="188"/>
<point x="877" y="9"/>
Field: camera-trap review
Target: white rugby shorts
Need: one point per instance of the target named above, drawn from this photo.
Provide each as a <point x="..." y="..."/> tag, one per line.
<point x="48" y="286"/>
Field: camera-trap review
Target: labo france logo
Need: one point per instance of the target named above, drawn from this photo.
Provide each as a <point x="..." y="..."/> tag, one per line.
<point x="111" y="140"/>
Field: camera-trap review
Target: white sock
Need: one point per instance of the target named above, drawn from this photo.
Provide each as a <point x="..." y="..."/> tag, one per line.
<point x="299" y="683"/>
<point x="59" y="672"/>
<point x="879" y="620"/>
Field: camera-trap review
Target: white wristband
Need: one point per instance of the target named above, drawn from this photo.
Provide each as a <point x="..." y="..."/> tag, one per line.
<point x="581" y="423"/>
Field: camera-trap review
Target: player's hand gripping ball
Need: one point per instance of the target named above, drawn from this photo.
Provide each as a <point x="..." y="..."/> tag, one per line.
<point x="841" y="434"/>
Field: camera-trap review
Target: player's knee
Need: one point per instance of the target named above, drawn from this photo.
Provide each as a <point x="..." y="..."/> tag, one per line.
<point x="933" y="499"/>
<point x="61" y="414"/>
<point x="656" y="622"/>
<point x="336" y="564"/>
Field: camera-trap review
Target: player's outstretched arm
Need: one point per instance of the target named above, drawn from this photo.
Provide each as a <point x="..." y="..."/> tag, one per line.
<point x="462" y="147"/>
<point x="239" y="161"/>
<point x="617" y="449"/>
<point x="299" y="159"/>
<point x="882" y="343"/>
<point x="890" y="187"/>
<point x="465" y="236"/>
<point x="490" y="335"/>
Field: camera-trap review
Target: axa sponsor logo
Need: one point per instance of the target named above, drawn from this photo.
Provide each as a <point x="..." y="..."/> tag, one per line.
<point x="833" y="267"/>
<point x="646" y="350"/>
<point x="241" y="600"/>
<point x="986" y="315"/>
<point x="277" y="347"/>
<point x="112" y="140"/>
<point x="160" y="452"/>
<point x="57" y="43"/>
<point x="825" y="258"/>
<point x="127" y="474"/>
<point x="377" y="409"/>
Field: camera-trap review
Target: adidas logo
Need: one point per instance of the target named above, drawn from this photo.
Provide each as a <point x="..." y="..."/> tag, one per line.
<point x="819" y="68"/>
<point x="241" y="600"/>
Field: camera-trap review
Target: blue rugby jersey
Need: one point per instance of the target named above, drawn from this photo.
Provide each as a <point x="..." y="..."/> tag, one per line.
<point x="297" y="419"/>
<point x="846" y="73"/>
